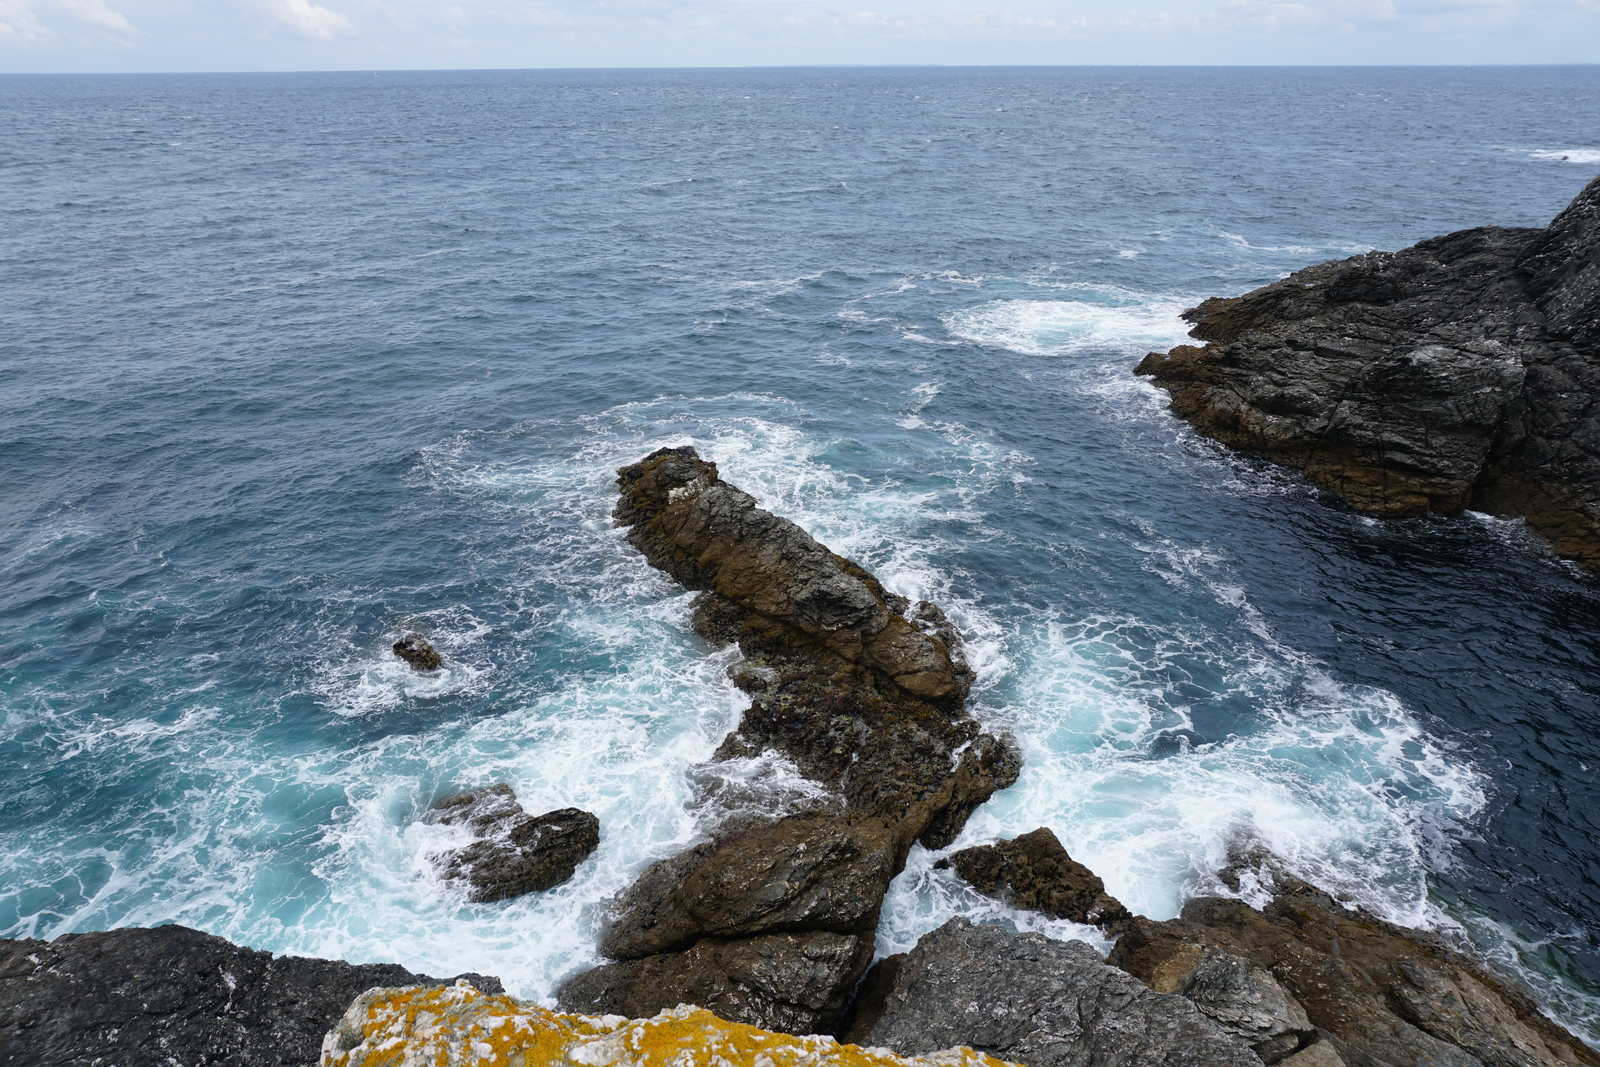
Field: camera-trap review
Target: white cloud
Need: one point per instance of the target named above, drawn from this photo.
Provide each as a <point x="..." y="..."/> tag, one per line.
<point x="311" y="20"/>
<point x="18" y="24"/>
<point x="96" y="13"/>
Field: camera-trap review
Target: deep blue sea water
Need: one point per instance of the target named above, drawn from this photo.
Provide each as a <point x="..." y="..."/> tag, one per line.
<point x="293" y="363"/>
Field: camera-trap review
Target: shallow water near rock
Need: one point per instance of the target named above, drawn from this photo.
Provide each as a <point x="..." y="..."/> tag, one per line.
<point x="298" y="364"/>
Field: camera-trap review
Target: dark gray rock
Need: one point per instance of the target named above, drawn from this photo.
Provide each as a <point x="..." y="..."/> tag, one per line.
<point x="418" y="651"/>
<point x="515" y="852"/>
<point x="1462" y="372"/>
<point x="1026" y="998"/>
<point x="1035" y="873"/>
<point x="175" y="997"/>
<point x="1240" y="997"/>
<point x="793" y="983"/>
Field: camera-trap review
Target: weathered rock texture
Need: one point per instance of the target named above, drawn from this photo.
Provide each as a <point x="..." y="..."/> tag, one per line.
<point x="804" y="873"/>
<point x="418" y="651"/>
<point x="1041" y="1002"/>
<point x="174" y="997"/>
<point x="515" y="852"/>
<point x="795" y="983"/>
<point x="863" y="692"/>
<point x="1034" y="872"/>
<point x="1379" y="995"/>
<point x="460" y="1027"/>
<point x="1463" y="372"/>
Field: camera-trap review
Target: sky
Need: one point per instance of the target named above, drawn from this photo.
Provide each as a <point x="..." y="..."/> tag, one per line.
<point x="109" y="36"/>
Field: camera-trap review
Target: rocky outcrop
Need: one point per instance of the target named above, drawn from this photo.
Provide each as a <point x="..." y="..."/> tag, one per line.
<point x="1462" y="372"/>
<point x="174" y="997"/>
<point x="1045" y="1003"/>
<point x="418" y="651"/>
<point x="805" y="873"/>
<point x="863" y="691"/>
<point x="460" y="1027"/>
<point x="709" y="535"/>
<point x="794" y="983"/>
<point x="515" y="853"/>
<point x="1376" y="994"/>
<point x="1240" y="997"/>
<point x="1033" y="872"/>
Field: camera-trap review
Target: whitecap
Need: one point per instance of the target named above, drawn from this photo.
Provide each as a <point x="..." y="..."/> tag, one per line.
<point x="1108" y="319"/>
<point x="1567" y="155"/>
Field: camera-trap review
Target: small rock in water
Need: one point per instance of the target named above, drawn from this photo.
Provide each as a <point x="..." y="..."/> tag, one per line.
<point x="417" y="651"/>
<point x="515" y="852"/>
<point x="1035" y="873"/>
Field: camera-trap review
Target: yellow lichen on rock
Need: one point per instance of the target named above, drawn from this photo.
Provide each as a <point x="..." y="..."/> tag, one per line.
<point x="457" y="1026"/>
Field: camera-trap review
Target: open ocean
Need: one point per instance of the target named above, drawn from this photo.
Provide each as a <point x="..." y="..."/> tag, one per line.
<point x="293" y="363"/>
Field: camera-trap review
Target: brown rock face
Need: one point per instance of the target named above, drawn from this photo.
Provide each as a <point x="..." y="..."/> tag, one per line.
<point x="805" y="873"/>
<point x="860" y="688"/>
<point x="1380" y="995"/>
<point x="863" y="692"/>
<point x="1459" y="373"/>
<point x="515" y="852"/>
<point x="709" y="535"/>
<point x="795" y="983"/>
<point x="1035" y="873"/>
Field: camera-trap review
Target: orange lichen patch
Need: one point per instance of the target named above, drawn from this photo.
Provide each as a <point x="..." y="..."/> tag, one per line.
<point x="457" y="1026"/>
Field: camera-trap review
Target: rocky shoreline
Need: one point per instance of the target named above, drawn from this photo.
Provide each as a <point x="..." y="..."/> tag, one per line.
<point x="769" y="925"/>
<point x="1460" y="373"/>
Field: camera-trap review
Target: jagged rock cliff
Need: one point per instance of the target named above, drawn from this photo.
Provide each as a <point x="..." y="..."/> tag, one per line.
<point x="1463" y="372"/>
<point x="772" y="921"/>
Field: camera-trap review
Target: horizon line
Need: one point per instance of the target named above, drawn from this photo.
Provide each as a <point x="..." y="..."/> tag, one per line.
<point x="801" y="66"/>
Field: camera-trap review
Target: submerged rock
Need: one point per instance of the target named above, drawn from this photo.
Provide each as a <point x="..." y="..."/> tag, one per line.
<point x="1377" y="994"/>
<point x="418" y="651"/>
<point x="172" y="995"/>
<point x="863" y="692"/>
<point x="515" y="852"/>
<point x="1458" y="373"/>
<point x="1037" y="1001"/>
<point x="460" y="1027"/>
<point x="1034" y="872"/>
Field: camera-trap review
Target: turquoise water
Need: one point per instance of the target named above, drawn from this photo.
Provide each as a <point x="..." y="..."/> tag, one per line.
<point x="298" y="362"/>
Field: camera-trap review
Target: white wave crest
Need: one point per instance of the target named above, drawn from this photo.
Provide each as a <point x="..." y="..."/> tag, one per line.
<point x="1116" y="321"/>
<point x="1568" y="155"/>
